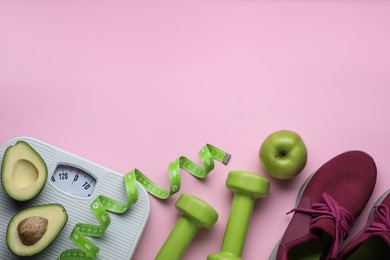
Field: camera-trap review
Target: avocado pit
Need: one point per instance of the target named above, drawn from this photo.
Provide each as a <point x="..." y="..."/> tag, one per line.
<point x="32" y="229"/>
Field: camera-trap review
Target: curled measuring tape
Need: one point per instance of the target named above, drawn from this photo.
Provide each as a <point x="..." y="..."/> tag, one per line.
<point x="207" y="155"/>
<point x="102" y="205"/>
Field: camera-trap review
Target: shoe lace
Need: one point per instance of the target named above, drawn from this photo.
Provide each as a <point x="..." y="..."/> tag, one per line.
<point x="330" y="210"/>
<point x="381" y="220"/>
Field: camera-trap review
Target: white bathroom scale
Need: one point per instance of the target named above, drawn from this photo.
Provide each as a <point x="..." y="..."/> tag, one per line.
<point x="74" y="183"/>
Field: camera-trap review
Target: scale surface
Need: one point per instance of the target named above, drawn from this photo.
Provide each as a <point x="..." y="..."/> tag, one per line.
<point x="74" y="183"/>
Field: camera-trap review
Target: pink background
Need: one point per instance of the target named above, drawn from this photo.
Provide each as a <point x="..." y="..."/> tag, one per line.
<point x="138" y="83"/>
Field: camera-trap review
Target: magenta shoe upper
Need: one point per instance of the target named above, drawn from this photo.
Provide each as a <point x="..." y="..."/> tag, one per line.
<point x="333" y="198"/>
<point x="378" y="225"/>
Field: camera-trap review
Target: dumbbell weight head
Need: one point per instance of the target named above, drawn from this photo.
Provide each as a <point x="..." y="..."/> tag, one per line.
<point x="247" y="187"/>
<point x="197" y="210"/>
<point x="248" y="183"/>
<point x="195" y="214"/>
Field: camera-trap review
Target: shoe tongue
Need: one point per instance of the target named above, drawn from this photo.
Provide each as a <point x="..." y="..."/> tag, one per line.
<point x="326" y="225"/>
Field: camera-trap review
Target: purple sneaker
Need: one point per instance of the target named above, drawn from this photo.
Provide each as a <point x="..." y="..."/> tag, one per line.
<point x="327" y="205"/>
<point x="373" y="241"/>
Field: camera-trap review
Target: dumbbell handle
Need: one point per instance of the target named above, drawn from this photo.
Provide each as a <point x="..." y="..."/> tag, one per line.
<point x="237" y="227"/>
<point x="178" y="240"/>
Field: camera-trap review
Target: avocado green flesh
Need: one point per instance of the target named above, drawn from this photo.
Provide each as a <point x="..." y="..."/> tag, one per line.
<point x="56" y="219"/>
<point x="23" y="172"/>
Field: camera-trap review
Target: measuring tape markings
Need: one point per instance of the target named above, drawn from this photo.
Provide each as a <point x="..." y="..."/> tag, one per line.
<point x="101" y="205"/>
<point x="207" y="155"/>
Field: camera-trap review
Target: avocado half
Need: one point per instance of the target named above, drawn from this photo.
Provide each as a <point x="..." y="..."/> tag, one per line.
<point x="23" y="172"/>
<point x="31" y="230"/>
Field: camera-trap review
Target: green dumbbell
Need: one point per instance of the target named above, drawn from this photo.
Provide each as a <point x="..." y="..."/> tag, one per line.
<point x="247" y="187"/>
<point x="195" y="213"/>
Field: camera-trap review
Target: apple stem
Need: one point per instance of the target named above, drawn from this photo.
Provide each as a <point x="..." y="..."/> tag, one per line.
<point x="280" y="154"/>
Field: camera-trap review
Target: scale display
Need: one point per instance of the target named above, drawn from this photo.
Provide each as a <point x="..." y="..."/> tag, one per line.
<point x="73" y="180"/>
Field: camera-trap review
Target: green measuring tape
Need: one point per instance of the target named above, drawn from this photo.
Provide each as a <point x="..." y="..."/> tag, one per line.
<point x="102" y="205"/>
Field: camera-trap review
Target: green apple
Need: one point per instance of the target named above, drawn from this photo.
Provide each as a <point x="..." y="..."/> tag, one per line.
<point x="283" y="154"/>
